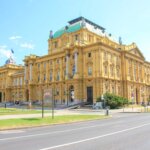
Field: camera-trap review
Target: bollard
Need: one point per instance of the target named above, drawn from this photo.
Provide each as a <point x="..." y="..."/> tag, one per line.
<point x="5" y="105"/>
<point x="107" y="111"/>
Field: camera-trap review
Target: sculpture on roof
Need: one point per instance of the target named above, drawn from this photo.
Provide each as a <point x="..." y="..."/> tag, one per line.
<point x="10" y="59"/>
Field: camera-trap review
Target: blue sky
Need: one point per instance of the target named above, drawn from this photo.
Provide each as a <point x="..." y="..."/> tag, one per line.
<point x="25" y="24"/>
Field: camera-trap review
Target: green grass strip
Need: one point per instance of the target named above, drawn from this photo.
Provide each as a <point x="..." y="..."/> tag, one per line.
<point x="30" y="122"/>
<point x="15" y="111"/>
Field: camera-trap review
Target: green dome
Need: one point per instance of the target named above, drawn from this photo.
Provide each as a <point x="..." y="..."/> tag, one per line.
<point x="70" y="29"/>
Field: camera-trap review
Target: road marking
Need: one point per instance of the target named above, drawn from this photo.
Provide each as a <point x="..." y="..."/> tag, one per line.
<point x="11" y="131"/>
<point x="54" y="132"/>
<point x="94" y="138"/>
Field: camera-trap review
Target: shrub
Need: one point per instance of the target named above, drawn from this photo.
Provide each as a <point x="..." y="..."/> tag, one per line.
<point x="113" y="101"/>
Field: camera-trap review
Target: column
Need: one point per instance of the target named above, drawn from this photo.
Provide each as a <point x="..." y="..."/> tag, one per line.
<point x="67" y="65"/>
<point x="30" y="72"/>
<point x="25" y="73"/>
<point x="76" y="62"/>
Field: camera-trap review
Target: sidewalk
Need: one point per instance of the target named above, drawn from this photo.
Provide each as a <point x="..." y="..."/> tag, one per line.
<point x="74" y="112"/>
<point x="56" y="113"/>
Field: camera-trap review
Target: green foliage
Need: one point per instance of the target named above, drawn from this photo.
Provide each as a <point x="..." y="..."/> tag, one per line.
<point x="113" y="101"/>
<point x="30" y="122"/>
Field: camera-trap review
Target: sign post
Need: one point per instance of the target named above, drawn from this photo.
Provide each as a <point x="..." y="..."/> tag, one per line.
<point x="47" y="100"/>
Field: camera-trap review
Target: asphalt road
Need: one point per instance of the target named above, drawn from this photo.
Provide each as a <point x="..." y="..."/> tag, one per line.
<point x="122" y="132"/>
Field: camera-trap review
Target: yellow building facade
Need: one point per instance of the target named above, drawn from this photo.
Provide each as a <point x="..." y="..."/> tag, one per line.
<point x="83" y="62"/>
<point x="11" y="83"/>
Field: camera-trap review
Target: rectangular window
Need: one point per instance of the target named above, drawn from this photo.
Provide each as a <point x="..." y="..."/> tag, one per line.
<point x="55" y="44"/>
<point x="105" y="70"/>
<point x="89" y="54"/>
<point x="57" y="61"/>
<point x="105" y="55"/>
<point x="38" y="78"/>
<point x="90" y="38"/>
<point x="58" y="76"/>
<point x="51" y="76"/>
<point x="44" y="65"/>
<point x="76" y="37"/>
<point x="89" y="71"/>
<point x="50" y="62"/>
<point x="44" y="77"/>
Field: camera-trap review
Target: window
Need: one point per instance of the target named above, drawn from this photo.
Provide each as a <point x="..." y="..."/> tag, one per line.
<point x="64" y="72"/>
<point x="55" y="44"/>
<point x="89" y="55"/>
<point x="112" y="71"/>
<point x="89" y="70"/>
<point x="118" y="72"/>
<point x="57" y="91"/>
<point x="72" y="56"/>
<point x="20" y="81"/>
<point x="44" y="77"/>
<point x="65" y="59"/>
<point x="113" y="89"/>
<point x="105" y="55"/>
<point x="106" y="88"/>
<point x="76" y="37"/>
<point x="73" y="70"/>
<point x="57" y="61"/>
<point x="90" y="38"/>
<point x="38" y="78"/>
<point x="105" y="70"/>
<point x="51" y="76"/>
<point x="50" y="62"/>
<point x="58" y="76"/>
<point x="44" y="65"/>
<point x="119" y="90"/>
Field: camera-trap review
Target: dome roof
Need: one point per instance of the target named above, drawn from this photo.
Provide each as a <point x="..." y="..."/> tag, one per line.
<point x="10" y="61"/>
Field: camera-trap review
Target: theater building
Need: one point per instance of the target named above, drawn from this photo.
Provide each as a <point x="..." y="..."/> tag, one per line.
<point x="83" y="62"/>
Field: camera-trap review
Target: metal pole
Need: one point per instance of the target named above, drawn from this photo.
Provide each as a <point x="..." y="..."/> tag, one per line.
<point x="42" y="108"/>
<point x="53" y="105"/>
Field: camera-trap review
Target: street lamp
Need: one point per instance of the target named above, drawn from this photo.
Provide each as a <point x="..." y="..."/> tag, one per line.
<point x="102" y="98"/>
<point x="53" y="102"/>
<point x="132" y="98"/>
<point x="67" y="94"/>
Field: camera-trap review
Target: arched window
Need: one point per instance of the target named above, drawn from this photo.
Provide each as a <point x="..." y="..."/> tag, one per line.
<point x="105" y="70"/>
<point x="73" y="70"/>
<point x="89" y="70"/>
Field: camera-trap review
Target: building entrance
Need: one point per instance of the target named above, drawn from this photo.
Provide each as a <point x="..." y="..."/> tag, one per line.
<point x="90" y="95"/>
<point x="71" y="91"/>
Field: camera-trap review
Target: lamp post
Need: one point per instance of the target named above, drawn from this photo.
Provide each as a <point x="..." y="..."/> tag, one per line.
<point x="67" y="94"/>
<point x="132" y="98"/>
<point x="102" y="98"/>
<point x="53" y="103"/>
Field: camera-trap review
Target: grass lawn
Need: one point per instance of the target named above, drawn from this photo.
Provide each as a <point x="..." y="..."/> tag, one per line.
<point x="15" y="111"/>
<point x="30" y="122"/>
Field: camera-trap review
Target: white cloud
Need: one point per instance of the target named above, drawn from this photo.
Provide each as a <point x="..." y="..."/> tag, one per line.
<point x="15" y="37"/>
<point x="4" y="52"/>
<point x="27" y="45"/>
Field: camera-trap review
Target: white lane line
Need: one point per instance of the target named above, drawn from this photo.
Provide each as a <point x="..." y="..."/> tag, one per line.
<point x="94" y="138"/>
<point x="11" y="131"/>
<point x="54" y="132"/>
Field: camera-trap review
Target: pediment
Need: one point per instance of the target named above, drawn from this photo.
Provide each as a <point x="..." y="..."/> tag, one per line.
<point x="137" y="53"/>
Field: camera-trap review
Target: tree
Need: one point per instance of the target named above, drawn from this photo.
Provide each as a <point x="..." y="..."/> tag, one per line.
<point x="113" y="101"/>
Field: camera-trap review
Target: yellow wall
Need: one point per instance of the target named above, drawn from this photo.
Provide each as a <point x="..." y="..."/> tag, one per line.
<point x="101" y="63"/>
